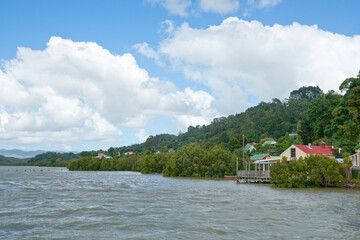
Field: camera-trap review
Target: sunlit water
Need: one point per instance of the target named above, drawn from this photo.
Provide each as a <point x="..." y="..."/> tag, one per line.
<point x="54" y="203"/>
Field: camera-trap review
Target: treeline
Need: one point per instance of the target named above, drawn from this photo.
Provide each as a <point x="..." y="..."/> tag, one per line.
<point x="192" y="160"/>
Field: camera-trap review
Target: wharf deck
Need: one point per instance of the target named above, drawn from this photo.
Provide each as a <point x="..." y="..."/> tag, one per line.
<point x="253" y="176"/>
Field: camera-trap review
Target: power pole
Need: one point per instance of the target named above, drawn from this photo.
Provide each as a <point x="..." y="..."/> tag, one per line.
<point x="244" y="152"/>
<point x="237" y="165"/>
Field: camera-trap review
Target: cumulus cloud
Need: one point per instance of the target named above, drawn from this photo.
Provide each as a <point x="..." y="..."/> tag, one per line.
<point x="174" y="7"/>
<point x="219" y="6"/>
<point x="74" y="91"/>
<point x="240" y="59"/>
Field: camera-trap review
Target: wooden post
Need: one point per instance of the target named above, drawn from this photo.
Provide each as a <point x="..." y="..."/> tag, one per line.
<point x="237" y="165"/>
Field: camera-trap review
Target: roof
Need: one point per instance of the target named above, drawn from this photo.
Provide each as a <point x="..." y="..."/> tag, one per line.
<point x="259" y="156"/>
<point x="324" y="150"/>
<point x="101" y="154"/>
<point x="247" y="147"/>
<point x="269" y="142"/>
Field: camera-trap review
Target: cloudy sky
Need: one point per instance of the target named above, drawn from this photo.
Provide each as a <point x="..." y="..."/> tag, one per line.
<point x="82" y="75"/>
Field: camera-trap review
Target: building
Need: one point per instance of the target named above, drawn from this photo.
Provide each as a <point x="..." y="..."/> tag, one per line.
<point x="355" y="158"/>
<point x="269" y="143"/>
<point x="264" y="161"/>
<point x="297" y="151"/>
<point x="102" y="155"/>
<point x="249" y="147"/>
<point x="258" y="157"/>
<point x="129" y="153"/>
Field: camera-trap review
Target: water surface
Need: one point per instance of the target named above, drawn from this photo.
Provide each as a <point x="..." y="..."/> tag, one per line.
<point x="48" y="203"/>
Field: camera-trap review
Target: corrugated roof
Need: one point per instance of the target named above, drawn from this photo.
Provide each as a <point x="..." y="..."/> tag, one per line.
<point x="258" y="156"/>
<point x="247" y="147"/>
<point x="315" y="149"/>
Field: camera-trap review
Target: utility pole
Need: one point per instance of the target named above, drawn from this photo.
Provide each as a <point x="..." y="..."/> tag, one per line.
<point x="244" y="152"/>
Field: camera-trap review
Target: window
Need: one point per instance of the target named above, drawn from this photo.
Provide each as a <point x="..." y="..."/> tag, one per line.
<point x="292" y="152"/>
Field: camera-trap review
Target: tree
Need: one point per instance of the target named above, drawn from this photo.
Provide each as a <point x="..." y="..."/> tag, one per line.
<point x="306" y="93"/>
<point x="233" y="144"/>
<point x="320" y="112"/>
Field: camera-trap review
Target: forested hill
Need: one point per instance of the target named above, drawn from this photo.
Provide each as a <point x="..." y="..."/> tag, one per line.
<point x="271" y="119"/>
<point x="11" y="160"/>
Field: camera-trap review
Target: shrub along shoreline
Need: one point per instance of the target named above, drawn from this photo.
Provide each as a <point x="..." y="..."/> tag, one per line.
<point x="312" y="171"/>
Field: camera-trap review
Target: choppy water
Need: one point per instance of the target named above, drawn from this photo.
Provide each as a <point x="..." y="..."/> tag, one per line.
<point x="48" y="203"/>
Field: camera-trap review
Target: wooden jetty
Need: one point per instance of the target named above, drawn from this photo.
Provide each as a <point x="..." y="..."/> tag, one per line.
<point x="253" y="176"/>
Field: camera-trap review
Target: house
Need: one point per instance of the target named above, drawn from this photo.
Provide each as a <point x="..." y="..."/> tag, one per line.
<point x="261" y="156"/>
<point x="102" y="155"/>
<point x="355" y="158"/>
<point x="129" y="153"/>
<point x="297" y="151"/>
<point x="264" y="160"/>
<point x="171" y="150"/>
<point x="270" y="143"/>
<point x="249" y="147"/>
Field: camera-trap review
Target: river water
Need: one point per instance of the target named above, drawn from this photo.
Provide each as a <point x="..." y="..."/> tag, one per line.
<point x="54" y="203"/>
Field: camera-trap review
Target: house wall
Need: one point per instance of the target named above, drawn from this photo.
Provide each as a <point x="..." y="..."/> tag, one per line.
<point x="287" y="152"/>
<point x="355" y="159"/>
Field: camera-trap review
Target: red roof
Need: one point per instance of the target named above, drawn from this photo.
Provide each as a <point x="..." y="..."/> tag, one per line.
<point x="324" y="150"/>
<point x="101" y="154"/>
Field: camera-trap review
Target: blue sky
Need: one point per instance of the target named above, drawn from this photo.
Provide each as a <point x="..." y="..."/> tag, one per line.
<point x="81" y="75"/>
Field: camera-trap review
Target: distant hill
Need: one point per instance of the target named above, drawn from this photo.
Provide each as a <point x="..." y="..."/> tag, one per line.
<point x="16" y="153"/>
<point x="53" y="156"/>
<point x="11" y="160"/>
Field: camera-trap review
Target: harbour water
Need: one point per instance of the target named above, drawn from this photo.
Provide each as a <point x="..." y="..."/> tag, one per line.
<point x="54" y="203"/>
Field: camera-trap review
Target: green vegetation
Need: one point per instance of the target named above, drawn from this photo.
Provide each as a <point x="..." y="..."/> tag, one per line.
<point x="11" y="161"/>
<point x="334" y="118"/>
<point x="192" y="160"/>
<point x="312" y="171"/>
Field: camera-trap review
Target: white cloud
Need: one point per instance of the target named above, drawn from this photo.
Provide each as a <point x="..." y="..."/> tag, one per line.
<point x="147" y="51"/>
<point x="142" y="135"/>
<point x="268" y="3"/>
<point x="238" y="59"/>
<point x="78" y="91"/>
<point x="175" y="7"/>
<point x="219" y="6"/>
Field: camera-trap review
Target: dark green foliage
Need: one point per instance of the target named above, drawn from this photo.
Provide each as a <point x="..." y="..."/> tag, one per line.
<point x="334" y="118"/>
<point x="312" y="171"/>
<point x="195" y="161"/>
<point x="306" y="93"/>
<point x="234" y="144"/>
<point x="191" y="160"/>
<point x="320" y="112"/>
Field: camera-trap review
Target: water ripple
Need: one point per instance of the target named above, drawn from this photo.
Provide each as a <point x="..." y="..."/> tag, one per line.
<point x="48" y="203"/>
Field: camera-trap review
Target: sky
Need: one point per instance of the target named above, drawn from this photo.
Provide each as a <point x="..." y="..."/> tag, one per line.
<point x="90" y="74"/>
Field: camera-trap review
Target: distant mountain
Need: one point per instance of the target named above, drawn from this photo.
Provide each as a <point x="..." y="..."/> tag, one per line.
<point x="16" y="153"/>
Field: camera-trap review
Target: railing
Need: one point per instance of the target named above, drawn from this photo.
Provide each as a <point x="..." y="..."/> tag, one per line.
<point x="251" y="174"/>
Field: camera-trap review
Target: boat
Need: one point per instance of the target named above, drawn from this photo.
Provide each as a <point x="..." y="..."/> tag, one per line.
<point x="229" y="176"/>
